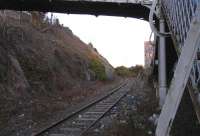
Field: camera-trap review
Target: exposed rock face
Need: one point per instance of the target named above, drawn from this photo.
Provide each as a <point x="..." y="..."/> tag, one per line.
<point x="38" y="63"/>
<point x="49" y="49"/>
<point x="108" y="68"/>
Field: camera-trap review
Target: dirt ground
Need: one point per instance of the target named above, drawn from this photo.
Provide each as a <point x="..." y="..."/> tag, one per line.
<point x="25" y="123"/>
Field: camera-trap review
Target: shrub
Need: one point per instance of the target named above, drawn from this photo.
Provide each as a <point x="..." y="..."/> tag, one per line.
<point x="136" y="69"/>
<point x="98" y="68"/>
<point x="122" y="71"/>
<point x="128" y="72"/>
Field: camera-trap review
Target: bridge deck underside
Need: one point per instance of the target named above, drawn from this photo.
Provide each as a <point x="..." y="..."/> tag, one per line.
<point x="79" y="7"/>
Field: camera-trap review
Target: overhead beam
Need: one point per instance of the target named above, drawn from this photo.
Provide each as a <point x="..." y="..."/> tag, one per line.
<point x="79" y="7"/>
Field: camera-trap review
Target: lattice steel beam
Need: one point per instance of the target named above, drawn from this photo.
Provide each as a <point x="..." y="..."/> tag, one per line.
<point x="180" y="78"/>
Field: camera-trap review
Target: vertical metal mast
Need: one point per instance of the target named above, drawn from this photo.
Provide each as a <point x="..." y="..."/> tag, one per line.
<point x="161" y="49"/>
<point x="162" y="62"/>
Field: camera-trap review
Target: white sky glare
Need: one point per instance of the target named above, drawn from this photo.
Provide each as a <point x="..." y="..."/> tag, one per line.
<point x="120" y="40"/>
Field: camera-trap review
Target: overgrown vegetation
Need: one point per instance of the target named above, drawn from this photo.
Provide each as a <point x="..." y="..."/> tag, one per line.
<point x="98" y="68"/>
<point x="128" y="72"/>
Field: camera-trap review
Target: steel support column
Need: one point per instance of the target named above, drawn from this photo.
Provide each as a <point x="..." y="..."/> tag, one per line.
<point x="162" y="64"/>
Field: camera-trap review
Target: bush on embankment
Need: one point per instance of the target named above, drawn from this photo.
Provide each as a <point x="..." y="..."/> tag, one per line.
<point x="128" y="72"/>
<point x="99" y="69"/>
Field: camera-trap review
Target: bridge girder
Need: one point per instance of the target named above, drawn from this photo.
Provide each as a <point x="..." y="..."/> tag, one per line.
<point x="135" y="10"/>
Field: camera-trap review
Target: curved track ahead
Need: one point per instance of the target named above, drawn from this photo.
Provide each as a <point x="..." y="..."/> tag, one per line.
<point x="82" y="120"/>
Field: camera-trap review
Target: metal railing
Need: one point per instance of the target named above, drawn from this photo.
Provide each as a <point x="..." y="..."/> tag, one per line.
<point x="179" y="14"/>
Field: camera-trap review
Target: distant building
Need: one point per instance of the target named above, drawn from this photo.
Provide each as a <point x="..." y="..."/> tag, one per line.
<point x="149" y="53"/>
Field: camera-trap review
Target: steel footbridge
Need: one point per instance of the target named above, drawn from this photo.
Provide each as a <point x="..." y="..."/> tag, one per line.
<point x="125" y="8"/>
<point x="176" y="26"/>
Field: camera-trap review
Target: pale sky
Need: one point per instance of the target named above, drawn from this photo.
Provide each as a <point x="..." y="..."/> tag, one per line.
<point x="120" y="40"/>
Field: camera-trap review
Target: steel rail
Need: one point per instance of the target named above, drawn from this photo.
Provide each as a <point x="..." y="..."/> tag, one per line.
<point x="87" y="129"/>
<point x="73" y="114"/>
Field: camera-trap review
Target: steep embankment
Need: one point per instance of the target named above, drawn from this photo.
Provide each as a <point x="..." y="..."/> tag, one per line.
<point x="42" y="66"/>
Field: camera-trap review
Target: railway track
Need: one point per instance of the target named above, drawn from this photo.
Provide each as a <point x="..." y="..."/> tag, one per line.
<point x="79" y="122"/>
